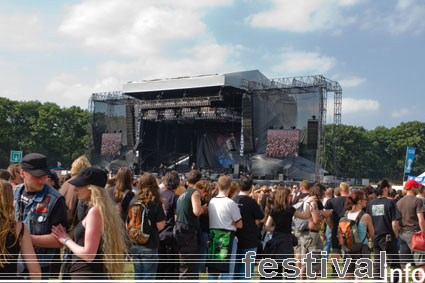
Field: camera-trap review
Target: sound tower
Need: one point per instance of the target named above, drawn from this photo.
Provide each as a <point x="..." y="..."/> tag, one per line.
<point x="129" y="118"/>
<point x="312" y="133"/>
<point x="249" y="145"/>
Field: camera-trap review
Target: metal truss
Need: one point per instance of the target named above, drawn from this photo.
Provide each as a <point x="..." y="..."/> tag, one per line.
<point x="311" y="84"/>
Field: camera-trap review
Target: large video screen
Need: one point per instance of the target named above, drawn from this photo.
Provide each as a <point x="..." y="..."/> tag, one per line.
<point x="282" y="143"/>
<point x="111" y="144"/>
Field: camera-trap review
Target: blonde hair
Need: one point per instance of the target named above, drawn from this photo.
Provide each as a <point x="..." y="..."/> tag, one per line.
<point x="234" y="189"/>
<point x="79" y="164"/>
<point x="224" y="182"/>
<point x="345" y="187"/>
<point x="7" y="219"/>
<point x="113" y="233"/>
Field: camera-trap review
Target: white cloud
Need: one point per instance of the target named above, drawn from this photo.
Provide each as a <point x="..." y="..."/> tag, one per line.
<point x="202" y="59"/>
<point x="400" y="112"/>
<point x="352" y="105"/>
<point x="406" y="15"/>
<point x="67" y="89"/>
<point x="21" y="32"/>
<point x="305" y="16"/>
<point x="302" y="62"/>
<point x="135" y="28"/>
<point x="352" y="82"/>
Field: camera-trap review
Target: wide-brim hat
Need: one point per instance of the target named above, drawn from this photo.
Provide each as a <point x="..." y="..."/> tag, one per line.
<point x="90" y="176"/>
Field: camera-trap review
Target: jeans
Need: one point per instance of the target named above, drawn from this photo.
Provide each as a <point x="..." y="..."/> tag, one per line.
<point x="188" y="249"/>
<point x="145" y="262"/>
<point x="328" y="241"/>
<point x="202" y="252"/>
<point x="240" y="266"/>
<point x="228" y="276"/>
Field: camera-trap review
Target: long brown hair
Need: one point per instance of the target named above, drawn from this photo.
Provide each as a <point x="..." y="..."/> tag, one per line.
<point x="124" y="181"/>
<point x="281" y="198"/>
<point x="7" y="219"/>
<point x="148" y="189"/>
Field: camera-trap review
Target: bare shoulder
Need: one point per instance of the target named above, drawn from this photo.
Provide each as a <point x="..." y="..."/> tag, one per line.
<point x="93" y="212"/>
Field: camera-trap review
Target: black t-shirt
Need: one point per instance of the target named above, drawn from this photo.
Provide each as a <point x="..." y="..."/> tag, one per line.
<point x="169" y="203"/>
<point x="338" y="206"/>
<point x="250" y="211"/>
<point x="57" y="216"/>
<point x="156" y="214"/>
<point x="283" y="219"/>
<point x="383" y="212"/>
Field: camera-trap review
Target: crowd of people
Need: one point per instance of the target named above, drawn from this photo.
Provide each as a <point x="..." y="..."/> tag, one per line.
<point x="94" y="227"/>
<point x="282" y="143"/>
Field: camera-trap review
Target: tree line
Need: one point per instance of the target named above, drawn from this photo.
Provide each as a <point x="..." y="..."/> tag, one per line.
<point x="378" y="153"/>
<point x="59" y="133"/>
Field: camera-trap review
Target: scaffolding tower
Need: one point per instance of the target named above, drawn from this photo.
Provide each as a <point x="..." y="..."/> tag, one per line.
<point x="312" y="84"/>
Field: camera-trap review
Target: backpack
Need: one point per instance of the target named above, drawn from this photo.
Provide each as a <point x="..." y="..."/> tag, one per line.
<point x="297" y="223"/>
<point x="139" y="227"/>
<point x="348" y="235"/>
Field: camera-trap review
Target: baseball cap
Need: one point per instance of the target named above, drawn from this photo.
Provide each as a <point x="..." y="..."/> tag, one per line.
<point x="412" y="183"/>
<point x="35" y="164"/>
<point x="90" y="176"/>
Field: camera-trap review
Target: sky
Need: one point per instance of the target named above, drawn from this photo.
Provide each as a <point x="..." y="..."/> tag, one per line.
<point x="63" y="51"/>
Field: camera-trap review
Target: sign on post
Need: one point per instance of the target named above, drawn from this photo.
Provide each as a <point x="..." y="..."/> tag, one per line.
<point x="410" y="156"/>
<point x="15" y="156"/>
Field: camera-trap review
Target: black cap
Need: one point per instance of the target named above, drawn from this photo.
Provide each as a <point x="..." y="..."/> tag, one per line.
<point x="35" y="164"/>
<point x="90" y="176"/>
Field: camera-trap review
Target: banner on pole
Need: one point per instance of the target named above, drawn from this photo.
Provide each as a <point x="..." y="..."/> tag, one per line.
<point x="410" y="156"/>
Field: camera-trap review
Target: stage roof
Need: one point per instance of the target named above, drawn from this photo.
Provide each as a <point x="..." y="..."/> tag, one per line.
<point x="235" y="80"/>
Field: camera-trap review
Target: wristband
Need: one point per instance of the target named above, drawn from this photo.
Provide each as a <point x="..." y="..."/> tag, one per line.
<point x="66" y="240"/>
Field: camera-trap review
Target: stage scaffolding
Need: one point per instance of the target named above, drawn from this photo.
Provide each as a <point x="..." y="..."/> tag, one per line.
<point x="311" y="84"/>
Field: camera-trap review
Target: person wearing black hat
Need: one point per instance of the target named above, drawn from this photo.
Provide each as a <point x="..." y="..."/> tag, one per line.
<point x="39" y="207"/>
<point x="98" y="246"/>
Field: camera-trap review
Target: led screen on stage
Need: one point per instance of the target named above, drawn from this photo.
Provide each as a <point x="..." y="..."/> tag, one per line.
<point x="282" y="143"/>
<point x="111" y="144"/>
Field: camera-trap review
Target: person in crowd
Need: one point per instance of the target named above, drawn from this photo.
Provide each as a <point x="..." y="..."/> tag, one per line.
<point x="122" y="193"/>
<point x="168" y="267"/>
<point x="412" y="221"/>
<point x="187" y="227"/>
<point x="98" y="246"/>
<point x="302" y="195"/>
<point x="279" y="222"/>
<point x="357" y="201"/>
<point x="53" y="180"/>
<point x="5" y="175"/>
<point x="370" y="192"/>
<point x="68" y="190"/>
<point x="310" y="238"/>
<point x="248" y="235"/>
<point x="234" y="190"/>
<point x="145" y="256"/>
<point x="385" y="219"/>
<point x="329" y="194"/>
<point x="204" y="225"/>
<point x="15" y="172"/>
<point x="14" y="239"/>
<point x="39" y="207"/>
<point x="337" y="205"/>
<point x="63" y="178"/>
<point x="225" y="218"/>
